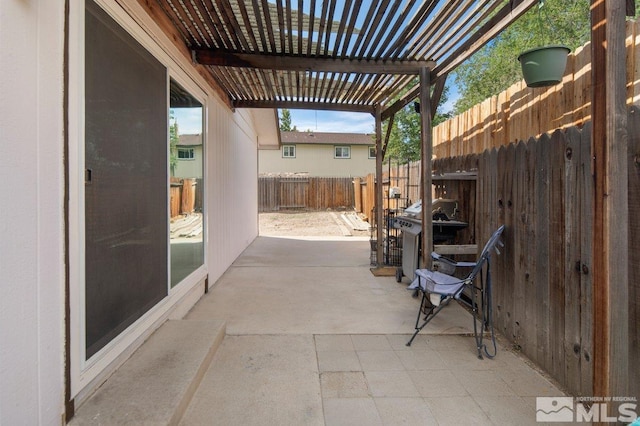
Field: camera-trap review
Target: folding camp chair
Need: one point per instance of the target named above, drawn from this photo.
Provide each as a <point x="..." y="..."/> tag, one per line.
<point x="446" y="288"/>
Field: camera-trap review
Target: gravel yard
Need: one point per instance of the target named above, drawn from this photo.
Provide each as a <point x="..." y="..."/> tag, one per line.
<point x="308" y="224"/>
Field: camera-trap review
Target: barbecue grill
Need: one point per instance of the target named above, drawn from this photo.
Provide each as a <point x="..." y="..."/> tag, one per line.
<point x="445" y="226"/>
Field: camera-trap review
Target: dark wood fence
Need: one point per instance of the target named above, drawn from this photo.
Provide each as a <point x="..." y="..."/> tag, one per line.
<point x="542" y="191"/>
<point x="304" y="193"/>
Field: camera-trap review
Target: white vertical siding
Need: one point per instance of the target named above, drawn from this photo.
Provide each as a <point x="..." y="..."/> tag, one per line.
<point x="231" y="216"/>
<point x="232" y="186"/>
<point x="31" y="212"/>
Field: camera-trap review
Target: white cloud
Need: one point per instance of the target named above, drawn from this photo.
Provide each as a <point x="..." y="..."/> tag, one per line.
<point x="189" y="120"/>
<point x="333" y="121"/>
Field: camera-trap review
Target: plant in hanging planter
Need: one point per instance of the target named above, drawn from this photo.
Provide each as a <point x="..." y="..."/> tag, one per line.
<point x="544" y="66"/>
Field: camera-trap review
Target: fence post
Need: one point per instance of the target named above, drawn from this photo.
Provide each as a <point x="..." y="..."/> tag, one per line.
<point x="357" y="194"/>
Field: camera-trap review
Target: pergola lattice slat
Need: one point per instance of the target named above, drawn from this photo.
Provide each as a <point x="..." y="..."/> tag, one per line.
<point x="376" y="46"/>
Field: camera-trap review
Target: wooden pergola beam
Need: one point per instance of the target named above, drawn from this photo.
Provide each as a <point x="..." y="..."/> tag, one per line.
<point x="324" y="106"/>
<point x="425" y="159"/>
<point x="387" y="136"/>
<point x="401" y="103"/>
<point x="438" y="89"/>
<point x="378" y="194"/>
<point x="222" y="58"/>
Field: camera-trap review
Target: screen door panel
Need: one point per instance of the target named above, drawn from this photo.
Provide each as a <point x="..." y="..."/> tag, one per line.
<point x="125" y="180"/>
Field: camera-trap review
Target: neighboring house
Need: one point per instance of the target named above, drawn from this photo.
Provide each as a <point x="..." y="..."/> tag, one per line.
<point x="189" y="156"/>
<point x="320" y="154"/>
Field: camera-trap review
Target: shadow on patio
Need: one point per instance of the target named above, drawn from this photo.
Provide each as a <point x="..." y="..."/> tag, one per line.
<point x="312" y="337"/>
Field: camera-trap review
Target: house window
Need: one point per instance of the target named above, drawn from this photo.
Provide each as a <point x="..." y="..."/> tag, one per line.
<point x="342" y="152"/>
<point x="372" y="152"/>
<point x="289" y="151"/>
<point x="186" y="154"/>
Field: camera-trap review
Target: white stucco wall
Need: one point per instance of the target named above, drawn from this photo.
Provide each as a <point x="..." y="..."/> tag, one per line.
<point x="31" y="212"/>
<point x="318" y="160"/>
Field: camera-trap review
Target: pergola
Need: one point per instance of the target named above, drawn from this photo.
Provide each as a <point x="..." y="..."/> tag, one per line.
<point x="376" y="57"/>
<point x="345" y="55"/>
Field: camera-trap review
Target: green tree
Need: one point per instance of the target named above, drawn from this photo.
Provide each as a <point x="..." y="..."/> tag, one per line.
<point x="405" y="139"/>
<point x="285" y="121"/>
<point x="173" y="143"/>
<point x="495" y="67"/>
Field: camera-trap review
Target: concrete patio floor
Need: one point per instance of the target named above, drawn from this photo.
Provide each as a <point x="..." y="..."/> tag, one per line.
<point x="312" y="337"/>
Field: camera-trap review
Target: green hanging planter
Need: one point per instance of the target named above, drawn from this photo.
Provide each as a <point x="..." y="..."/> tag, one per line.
<point x="544" y="66"/>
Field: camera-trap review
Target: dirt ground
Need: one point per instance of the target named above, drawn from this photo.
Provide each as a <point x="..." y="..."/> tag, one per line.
<point x="307" y="224"/>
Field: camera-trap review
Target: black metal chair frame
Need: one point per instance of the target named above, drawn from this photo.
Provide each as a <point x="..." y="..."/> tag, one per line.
<point x="449" y="288"/>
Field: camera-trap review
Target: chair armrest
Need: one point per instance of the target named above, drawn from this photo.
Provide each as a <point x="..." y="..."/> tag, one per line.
<point x="441" y="258"/>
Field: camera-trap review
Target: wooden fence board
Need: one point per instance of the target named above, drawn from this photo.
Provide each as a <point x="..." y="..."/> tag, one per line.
<point x="306" y="193"/>
<point x="268" y="194"/>
<point x="293" y="193"/>
<point x="530" y="247"/>
<point x="634" y="250"/>
<point x="369" y="197"/>
<point x="573" y="212"/>
<point x="542" y="154"/>
<point x="586" y="253"/>
<point x="519" y="245"/>
<point x="556" y="254"/>
<point x="508" y="250"/>
<point x="357" y="192"/>
<point x="506" y="171"/>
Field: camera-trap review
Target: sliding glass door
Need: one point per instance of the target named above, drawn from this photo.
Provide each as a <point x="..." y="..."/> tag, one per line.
<point x="126" y="128"/>
<point x="186" y="183"/>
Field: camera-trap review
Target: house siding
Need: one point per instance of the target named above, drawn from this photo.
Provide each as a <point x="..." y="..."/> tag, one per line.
<point x="318" y="160"/>
<point x="190" y="168"/>
<point x="32" y="255"/>
<point x="31" y="211"/>
<point x="232" y="193"/>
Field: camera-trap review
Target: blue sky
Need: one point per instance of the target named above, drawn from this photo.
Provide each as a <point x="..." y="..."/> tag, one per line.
<point x="332" y="121"/>
<point x="190" y="119"/>
<point x="328" y="121"/>
<point x="346" y="122"/>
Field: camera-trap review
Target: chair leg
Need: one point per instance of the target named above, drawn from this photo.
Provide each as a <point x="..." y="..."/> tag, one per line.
<point x="420" y="312"/>
<point x="485" y="317"/>
<point x="433" y="311"/>
<point x="474" y="312"/>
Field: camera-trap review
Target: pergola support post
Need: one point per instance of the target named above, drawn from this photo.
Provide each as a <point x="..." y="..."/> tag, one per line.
<point x="379" y="206"/>
<point x="609" y="146"/>
<point x="425" y="160"/>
